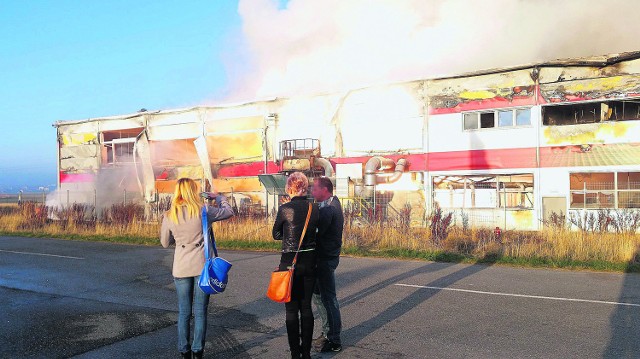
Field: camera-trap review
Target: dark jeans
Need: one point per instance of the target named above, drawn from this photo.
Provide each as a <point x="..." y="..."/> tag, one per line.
<point x="191" y="298"/>
<point x="299" y="319"/>
<point x="326" y="284"/>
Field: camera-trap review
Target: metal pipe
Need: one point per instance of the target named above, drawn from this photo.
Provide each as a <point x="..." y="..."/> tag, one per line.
<point x="324" y="163"/>
<point x="397" y="173"/>
<point x="376" y="164"/>
<point x="371" y="168"/>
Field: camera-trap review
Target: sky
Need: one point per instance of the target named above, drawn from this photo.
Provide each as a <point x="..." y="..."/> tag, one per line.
<point x="68" y="60"/>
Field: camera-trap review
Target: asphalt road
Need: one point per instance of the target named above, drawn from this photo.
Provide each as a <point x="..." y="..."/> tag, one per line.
<point x="64" y="299"/>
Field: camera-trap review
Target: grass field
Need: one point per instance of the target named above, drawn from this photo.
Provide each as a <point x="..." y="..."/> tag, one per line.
<point x="555" y="247"/>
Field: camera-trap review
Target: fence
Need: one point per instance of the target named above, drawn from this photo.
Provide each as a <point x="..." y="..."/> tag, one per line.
<point x="385" y="206"/>
<point x="15" y="198"/>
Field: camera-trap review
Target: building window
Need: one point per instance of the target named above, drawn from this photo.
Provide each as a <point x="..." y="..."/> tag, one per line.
<point x="600" y="190"/>
<point x="500" y="118"/>
<point x="592" y="112"/>
<point x="118" y="145"/>
<point x="505" y="118"/>
<point x="484" y="191"/>
<point x="471" y="121"/>
<point x="487" y="120"/>
<point x="523" y="117"/>
<point x="120" y="150"/>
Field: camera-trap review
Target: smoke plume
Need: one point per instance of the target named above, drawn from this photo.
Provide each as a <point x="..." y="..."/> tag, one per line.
<point x="311" y="46"/>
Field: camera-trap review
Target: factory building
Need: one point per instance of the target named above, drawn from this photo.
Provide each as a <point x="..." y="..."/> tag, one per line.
<point x="503" y="147"/>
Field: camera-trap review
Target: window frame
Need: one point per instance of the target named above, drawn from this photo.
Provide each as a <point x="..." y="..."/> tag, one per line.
<point x="545" y="123"/>
<point x="466" y="192"/>
<point x="112" y="145"/>
<point x="496" y="119"/>
<point x="599" y="193"/>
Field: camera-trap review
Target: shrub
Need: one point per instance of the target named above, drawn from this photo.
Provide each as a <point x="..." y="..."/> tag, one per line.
<point x="439" y="225"/>
<point x="124" y="213"/>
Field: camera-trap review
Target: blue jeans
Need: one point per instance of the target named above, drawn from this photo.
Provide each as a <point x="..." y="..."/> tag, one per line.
<point x="191" y="298"/>
<point x="326" y="285"/>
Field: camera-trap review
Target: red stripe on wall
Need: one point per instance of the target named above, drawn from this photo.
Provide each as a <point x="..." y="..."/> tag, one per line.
<point x="76" y="177"/>
<point x="246" y="169"/>
<point x="488" y="104"/>
<point x="417" y="162"/>
<point x="482" y="159"/>
<point x="489" y="159"/>
<point x="442" y="161"/>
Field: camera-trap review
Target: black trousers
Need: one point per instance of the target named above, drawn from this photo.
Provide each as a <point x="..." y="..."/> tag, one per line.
<point x="299" y="319"/>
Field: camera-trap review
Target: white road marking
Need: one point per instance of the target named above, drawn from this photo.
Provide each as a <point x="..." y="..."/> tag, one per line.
<point x="519" y="295"/>
<point x="40" y="254"/>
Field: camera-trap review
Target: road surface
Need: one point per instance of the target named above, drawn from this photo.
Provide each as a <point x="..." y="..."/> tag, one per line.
<point x="65" y="299"/>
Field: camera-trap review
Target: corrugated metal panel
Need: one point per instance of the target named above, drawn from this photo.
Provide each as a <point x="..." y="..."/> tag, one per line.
<point x="591" y="89"/>
<point x="234" y="125"/>
<point x="74" y="165"/>
<point x="122" y="124"/>
<point x="175" y="132"/>
<point x="79" y="139"/>
<point x="481" y="92"/>
<point x="85" y="151"/>
<point x="174" y="153"/>
<point x="86" y="127"/>
<point x="174" y="118"/>
<point x="559" y="74"/>
<point x="246" y="184"/>
<point x="235" y="148"/>
<point x="592" y="155"/>
<point x="79" y="158"/>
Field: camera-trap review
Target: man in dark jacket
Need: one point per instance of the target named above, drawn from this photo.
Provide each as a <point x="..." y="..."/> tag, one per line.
<point x="328" y="246"/>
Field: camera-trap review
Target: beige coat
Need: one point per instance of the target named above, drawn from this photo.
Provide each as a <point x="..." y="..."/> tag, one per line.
<point x="188" y="259"/>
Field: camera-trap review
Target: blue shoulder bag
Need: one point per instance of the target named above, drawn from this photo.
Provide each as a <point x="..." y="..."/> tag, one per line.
<point x="214" y="276"/>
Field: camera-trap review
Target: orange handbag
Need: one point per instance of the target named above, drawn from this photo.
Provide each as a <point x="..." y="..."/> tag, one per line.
<point x="281" y="281"/>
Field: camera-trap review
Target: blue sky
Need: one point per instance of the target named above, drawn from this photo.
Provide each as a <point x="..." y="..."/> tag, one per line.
<point x="65" y="60"/>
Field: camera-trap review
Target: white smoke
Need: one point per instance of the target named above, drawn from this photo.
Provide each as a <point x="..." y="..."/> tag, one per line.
<point x="313" y="46"/>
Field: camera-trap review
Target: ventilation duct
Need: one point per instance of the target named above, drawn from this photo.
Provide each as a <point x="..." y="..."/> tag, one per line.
<point x="324" y="163"/>
<point x="372" y="177"/>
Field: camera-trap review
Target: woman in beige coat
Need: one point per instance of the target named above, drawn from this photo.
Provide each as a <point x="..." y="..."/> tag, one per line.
<point x="182" y="226"/>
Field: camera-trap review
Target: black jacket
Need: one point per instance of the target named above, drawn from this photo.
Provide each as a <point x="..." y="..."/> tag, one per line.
<point x="330" y="229"/>
<point x="290" y="222"/>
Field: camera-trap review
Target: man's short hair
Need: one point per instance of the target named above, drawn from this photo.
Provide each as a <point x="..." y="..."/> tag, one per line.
<point x="325" y="182"/>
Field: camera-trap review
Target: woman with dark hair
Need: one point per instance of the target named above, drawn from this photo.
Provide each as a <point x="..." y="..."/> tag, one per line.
<point x="288" y="228"/>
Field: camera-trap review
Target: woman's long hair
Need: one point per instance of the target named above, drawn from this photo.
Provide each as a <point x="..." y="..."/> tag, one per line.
<point x="185" y="195"/>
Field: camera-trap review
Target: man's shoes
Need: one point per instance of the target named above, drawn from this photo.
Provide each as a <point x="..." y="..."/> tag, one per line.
<point x="331" y="347"/>
<point x="185" y="355"/>
<point x="197" y="355"/>
<point x="319" y="342"/>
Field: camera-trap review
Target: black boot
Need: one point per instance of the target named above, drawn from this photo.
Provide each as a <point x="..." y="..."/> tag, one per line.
<point x="197" y="355"/>
<point x="307" y="336"/>
<point x="293" y="336"/>
<point x="186" y="355"/>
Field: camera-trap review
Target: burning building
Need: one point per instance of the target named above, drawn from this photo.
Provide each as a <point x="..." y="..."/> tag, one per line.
<point x="508" y="146"/>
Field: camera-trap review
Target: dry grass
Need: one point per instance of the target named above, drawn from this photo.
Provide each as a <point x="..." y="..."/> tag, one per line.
<point x="555" y="246"/>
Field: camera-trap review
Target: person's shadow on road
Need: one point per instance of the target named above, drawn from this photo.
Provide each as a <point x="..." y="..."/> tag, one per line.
<point x="625" y="321"/>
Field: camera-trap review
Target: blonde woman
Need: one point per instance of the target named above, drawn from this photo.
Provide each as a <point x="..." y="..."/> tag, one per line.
<point x="182" y="226"/>
<point x="288" y="228"/>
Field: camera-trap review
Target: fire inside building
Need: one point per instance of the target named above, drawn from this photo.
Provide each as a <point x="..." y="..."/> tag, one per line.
<point x="506" y="147"/>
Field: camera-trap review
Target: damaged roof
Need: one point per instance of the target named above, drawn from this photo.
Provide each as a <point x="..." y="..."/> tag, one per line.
<point x="591" y="61"/>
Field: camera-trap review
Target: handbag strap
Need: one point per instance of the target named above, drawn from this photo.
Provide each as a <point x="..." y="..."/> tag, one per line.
<point x="207" y="232"/>
<point x="304" y="231"/>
